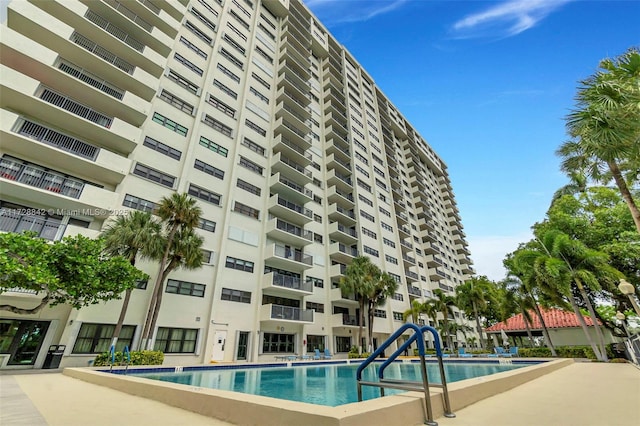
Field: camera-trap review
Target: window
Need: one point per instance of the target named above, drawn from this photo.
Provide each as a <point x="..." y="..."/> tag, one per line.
<point x="381" y="184"/>
<point x="176" y="340"/>
<point x="208" y="169"/>
<point x="397" y="316"/>
<point x="175" y="101"/>
<point x="398" y="296"/>
<point x="259" y="95"/>
<point x="371" y="251"/>
<point x="193" y="47"/>
<point x="264" y="55"/>
<point x="187" y="64"/>
<point x="213" y="146"/>
<point x="315" y="342"/>
<point x="361" y="170"/>
<point x="369" y="233"/>
<point x="239" y="264"/>
<point x="318" y="307"/>
<point x="235" y="61"/>
<point x="391" y="259"/>
<point x="154" y="175"/>
<point x="317" y="282"/>
<point x="207" y="225"/>
<point x="389" y="242"/>
<point x="384" y="211"/>
<point x="185" y="288"/>
<point x="343" y="343"/>
<point x="246" y="210"/>
<point x="198" y="32"/>
<point x="161" y="148"/>
<point x="169" y="124"/>
<point x="234" y="43"/>
<point x="260" y="80"/>
<point x="237" y="31"/>
<point x="248" y="187"/>
<point x="96" y="338"/>
<point x="365" y="200"/>
<point x="208" y="7"/>
<point x="253" y="146"/>
<point x="317" y="218"/>
<point x="363" y="185"/>
<point x="379" y="313"/>
<point x="212" y="100"/>
<point x="253" y="126"/>
<point x="216" y="125"/>
<point x="251" y="165"/>
<point x="138" y="203"/>
<point x="238" y="18"/>
<point x="204" y="195"/>
<point x="203" y="19"/>
<point x="386" y="226"/>
<point x="277" y="343"/>
<point x="367" y="216"/>
<point x="317" y="238"/>
<point x="236" y="295"/>
<point x="228" y="73"/>
<point x="182" y="82"/>
<point x="225" y="89"/>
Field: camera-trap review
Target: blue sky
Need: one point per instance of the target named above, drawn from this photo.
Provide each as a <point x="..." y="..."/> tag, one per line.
<point x="487" y="84"/>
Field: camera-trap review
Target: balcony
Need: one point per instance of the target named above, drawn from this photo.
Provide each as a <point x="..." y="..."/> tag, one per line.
<point x="282" y="164"/>
<point x="341" y="166"/>
<point x="337" y="271"/>
<point x="344" y="320"/>
<point x="342" y="182"/>
<point x="340" y="232"/>
<point x="279" y="313"/>
<point x="411" y="276"/>
<point x="288" y="233"/>
<point x="436" y="274"/>
<point x="340" y="214"/>
<point x="290" y="189"/>
<point x="337" y="295"/>
<point x="38" y="186"/>
<point x="338" y="148"/>
<point x="293" y="133"/>
<point x="292" y="150"/>
<point x="414" y="291"/>
<point x="279" y="8"/>
<point x="431" y="248"/>
<point x="462" y="249"/>
<point x="408" y="260"/>
<point x="342" y="198"/>
<point x="289" y="210"/>
<point x="434" y="261"/>
<point x="285" y="285"/>
<point x="287" y="258"/>
<point x="342" y="253"/>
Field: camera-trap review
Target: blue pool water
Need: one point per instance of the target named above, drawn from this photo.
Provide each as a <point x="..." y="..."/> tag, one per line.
<point x="320" y="384"/>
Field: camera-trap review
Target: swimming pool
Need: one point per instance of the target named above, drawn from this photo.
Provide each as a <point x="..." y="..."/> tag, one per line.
<point x="320" y="384"/>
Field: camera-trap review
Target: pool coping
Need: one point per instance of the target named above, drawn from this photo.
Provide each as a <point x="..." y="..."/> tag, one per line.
<point x="246" y="409"/>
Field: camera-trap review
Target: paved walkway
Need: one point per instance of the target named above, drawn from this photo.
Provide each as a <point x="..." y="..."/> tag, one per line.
<point x="585" y="394"/>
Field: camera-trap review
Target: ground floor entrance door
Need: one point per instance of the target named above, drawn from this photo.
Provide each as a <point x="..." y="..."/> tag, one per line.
<point x="22" y="339"/>
<point x="219" y="340"/>
<point x="242" y="345"/>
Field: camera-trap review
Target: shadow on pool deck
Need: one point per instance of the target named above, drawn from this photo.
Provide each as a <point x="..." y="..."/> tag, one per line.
<point x="579" y="394"/>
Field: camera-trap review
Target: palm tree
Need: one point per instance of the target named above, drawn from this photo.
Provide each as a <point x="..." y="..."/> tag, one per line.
<point x="605" y="126"/>
<point x="186" y="253"/>
<point x="471" y="298"/>
<point x="177" y="212"/>
<point x="443" y="304"/>
<point x="413" y="312"/>
<point x="515" y="299"/>
<point x="384" y="286"/>
<point x="358" y="280"/>
<point x="130" y="236"/>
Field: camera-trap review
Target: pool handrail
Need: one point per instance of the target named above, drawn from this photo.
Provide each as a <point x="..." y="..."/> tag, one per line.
<point x="418" y="337"/>
<point x="126" y="355"/>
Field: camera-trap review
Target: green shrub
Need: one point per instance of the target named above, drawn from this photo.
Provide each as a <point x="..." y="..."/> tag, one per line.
<point x="137" y="358"/>
<point x="541" y="352"/>
<point x="563" y="352"/>
<point x="356" y="355"/>
<point x="426" y="351"/>
<point x="618" y="361"/>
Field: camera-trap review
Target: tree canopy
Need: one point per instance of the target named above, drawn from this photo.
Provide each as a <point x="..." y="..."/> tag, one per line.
<point x="73" y="271"/>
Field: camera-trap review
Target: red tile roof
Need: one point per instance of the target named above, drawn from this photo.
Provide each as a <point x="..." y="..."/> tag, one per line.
<point x="553" y="318"/>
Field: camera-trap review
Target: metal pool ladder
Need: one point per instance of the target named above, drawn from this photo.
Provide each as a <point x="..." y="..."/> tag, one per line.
<point x="409" y="385"/>
<point x="126" y="357"/>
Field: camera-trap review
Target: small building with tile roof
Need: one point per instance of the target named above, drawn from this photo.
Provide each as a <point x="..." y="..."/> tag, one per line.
<point x="564" y="329"/>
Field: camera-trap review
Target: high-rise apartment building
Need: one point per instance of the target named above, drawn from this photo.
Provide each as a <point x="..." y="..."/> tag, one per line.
<point x="297" y="159"/>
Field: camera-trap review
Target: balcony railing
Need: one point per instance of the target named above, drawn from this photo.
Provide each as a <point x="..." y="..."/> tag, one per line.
<point x="293" y="229"/>
<point x="414" y="290"/>
<point x="291" y="184"/>
<point x="74" y="107"/>
<point x="411" y="274"/>
<point x="297" y="167"/>
<point x="90" y="78"/>
<point x="129" y="14"/>
<point x="287" y="253"/>
<point x="59" y="140"/>
<point x="113" y="30"/>
<point x="12" y="220"/>
<point x="295" y="147"/>
<point x="351" y="251"/>
<point x="101" y="52"/>
<point x="350" y="320"/>
<point x="294" y="283"/>
<point x="295" y="207"/>
<point x="40" y="178"/>
<point x="291" y="313"/>
<point x="345" y="212"/>
<point x="347" y="231"/>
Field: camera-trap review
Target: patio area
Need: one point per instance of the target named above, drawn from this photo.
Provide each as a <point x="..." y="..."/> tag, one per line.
<point x="583" y="393"/>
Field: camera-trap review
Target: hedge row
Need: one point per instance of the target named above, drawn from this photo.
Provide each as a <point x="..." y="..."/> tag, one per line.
<point x="137" y="358"/>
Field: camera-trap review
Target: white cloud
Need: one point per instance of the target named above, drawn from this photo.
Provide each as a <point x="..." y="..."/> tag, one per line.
<point x="332" y="12"/>
<point x="488" y="252"/>
<point x="506" y="19"/>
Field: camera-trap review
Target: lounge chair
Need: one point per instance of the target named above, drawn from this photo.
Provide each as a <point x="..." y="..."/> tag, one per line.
<point x="316" y="354"/>
<point x="304" y="357"/>
<point x="513" y="350"/>
<point x="500" y="352"/>
<point x="463" y="354"/>
<point x="327" y="354"/>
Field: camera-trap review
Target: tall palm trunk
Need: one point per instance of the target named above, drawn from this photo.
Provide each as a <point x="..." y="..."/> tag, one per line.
<point x="157" y="289"/>
<point x="527" y="326"/>
<point x="545" y="331"/>
<point x="370" y="327"/>
<point x="626" y="194"/>
<point x="156" y="311"/>
<point x="123" y="310"/>
<point x="594" y="318"/>
<point x="585" y="329"/>
<point x="361" y="325"/>
<point x="479" y="329"/>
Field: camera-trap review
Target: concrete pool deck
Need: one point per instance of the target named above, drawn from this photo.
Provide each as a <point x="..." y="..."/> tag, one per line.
<point x="578" y="394"/>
